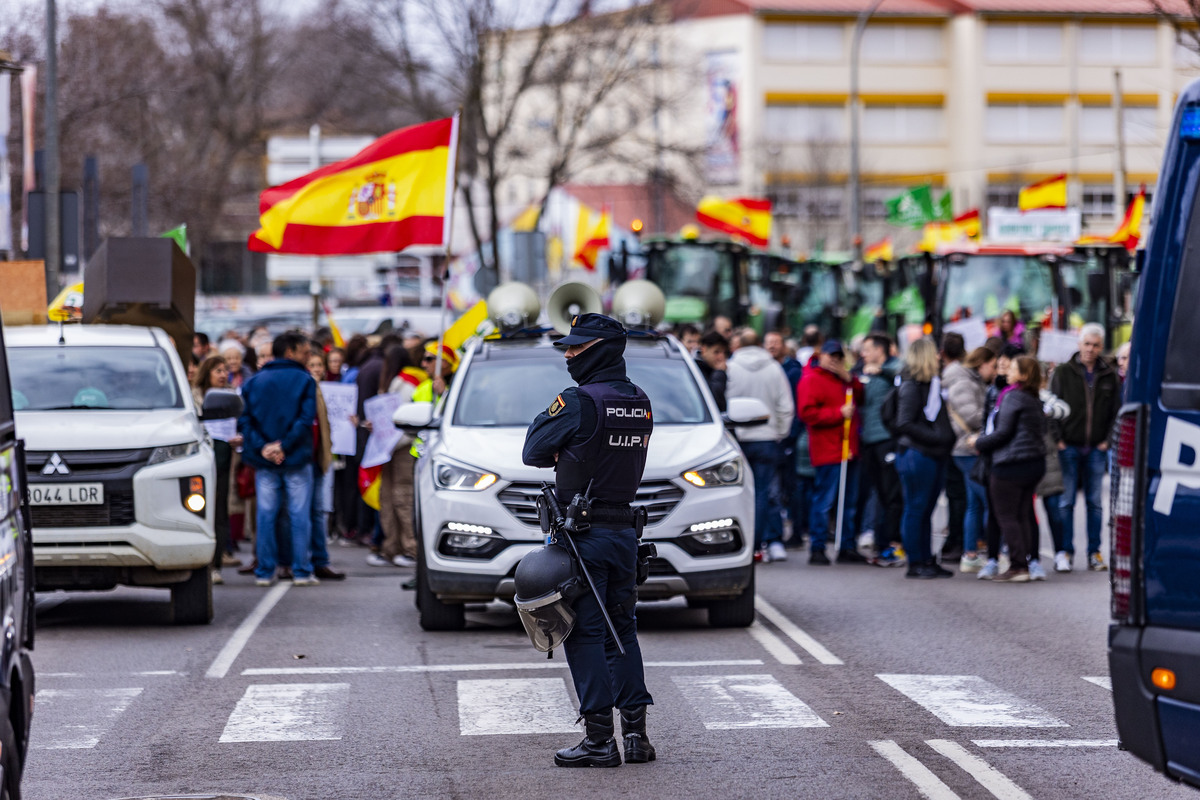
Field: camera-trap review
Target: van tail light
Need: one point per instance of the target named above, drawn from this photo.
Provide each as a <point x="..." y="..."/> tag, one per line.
<point x="1126" y="503"/>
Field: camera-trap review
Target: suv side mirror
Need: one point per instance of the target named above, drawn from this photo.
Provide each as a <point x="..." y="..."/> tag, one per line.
<point x="414" y="417"/>
<point x="221" y="404"/>
<point x="746" y="412"/>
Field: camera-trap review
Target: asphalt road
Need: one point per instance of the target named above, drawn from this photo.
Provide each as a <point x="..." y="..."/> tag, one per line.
<point x="853" y="683"/>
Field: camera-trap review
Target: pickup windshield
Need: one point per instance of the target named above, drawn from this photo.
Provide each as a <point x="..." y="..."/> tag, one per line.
<point x="65" y="377"/>
<point x="510" y="393"/>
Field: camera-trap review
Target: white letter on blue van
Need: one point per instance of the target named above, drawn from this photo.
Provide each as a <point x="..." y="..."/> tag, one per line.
<point x="1175" y="473"/>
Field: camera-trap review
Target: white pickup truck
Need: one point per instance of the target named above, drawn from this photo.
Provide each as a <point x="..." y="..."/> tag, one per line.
<point x="121" y="471"/>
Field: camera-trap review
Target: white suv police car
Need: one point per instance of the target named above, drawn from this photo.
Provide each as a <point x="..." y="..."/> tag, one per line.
<point x="475" y="507"/>
<point x="121" y="471"/>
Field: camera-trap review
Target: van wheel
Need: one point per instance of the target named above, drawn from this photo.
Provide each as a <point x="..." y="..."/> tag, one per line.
<point x="11" y="788"/>
<point x="191" y="601"/>
<point x="735" y="613"/>
<point x="436" y="615"/>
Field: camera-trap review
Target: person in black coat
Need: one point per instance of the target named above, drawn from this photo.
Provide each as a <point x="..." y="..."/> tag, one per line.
<point x="712" y="361"/>
<point x="1015" y="438"/>
<point x="924" y="439"/>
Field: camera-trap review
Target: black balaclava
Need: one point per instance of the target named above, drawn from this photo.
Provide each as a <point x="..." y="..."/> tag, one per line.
<point x="603" y="361"/>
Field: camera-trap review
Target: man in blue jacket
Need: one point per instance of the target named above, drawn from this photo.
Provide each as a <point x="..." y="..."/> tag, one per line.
<point x="277" y="424"/>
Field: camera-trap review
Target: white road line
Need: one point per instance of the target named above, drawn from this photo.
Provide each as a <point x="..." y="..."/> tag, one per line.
<point x="508" y="706"/>
<point x="557" y="663"/>
<point x="71" y="719"/>
<point x="233" y="647"/>
<point x="730" y="702"/>
<point x="928" y="784"/>
<point x="988" y="776"/>
<point x="772" y="644"/>
<point x="970" y="701"/>
<point x="288" y="712"/>
<point x="1103" y="681"/>
<point x="793" y="632"/>
<point x="154" y="673"/>
<point x="1044" y="742"/>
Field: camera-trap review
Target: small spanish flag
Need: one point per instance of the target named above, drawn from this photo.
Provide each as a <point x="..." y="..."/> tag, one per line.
<point x="1129" y="233"/>
<point x="395" y="193"/>
<point x="590" y="238"/>
<point x="368" y="485"/>
<point x="1049" y="193"/>
<point x="968" y="223"/>
<point x="747" y="217"/>
<point x="880" y="251"/>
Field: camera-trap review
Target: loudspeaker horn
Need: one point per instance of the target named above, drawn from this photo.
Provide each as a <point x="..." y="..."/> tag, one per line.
<point x="639" y="304"/>
<point x="569" y="300"/>
<point x="513" y="306"/>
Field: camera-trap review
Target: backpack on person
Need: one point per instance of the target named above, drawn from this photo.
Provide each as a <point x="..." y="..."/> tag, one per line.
<point x="890" y="408"/>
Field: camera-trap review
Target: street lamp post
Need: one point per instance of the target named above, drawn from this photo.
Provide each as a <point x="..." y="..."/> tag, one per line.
<point x="860" y="26"/>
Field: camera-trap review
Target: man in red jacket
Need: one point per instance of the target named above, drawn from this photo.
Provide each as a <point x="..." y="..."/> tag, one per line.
<point x="821" y="400"/>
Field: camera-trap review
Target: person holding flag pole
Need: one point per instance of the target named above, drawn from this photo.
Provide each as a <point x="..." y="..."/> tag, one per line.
<point x="841" y="501"/>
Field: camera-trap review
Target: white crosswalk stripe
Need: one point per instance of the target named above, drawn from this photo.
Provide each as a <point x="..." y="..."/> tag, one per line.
<point x="727" y="702"/>
<point x="1103" y="681"/>
<point x="507" y="706"/>
<point x="929" y="785"/>
<point x="282" y="712"/>
<point x="69" y="719"/>
<point x="970" y="701"/>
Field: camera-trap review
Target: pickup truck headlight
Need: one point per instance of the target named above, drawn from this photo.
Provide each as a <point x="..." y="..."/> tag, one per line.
<point x="457" y="478"/>
<point x="172" y="452"/>
<point x="725" y="473"/>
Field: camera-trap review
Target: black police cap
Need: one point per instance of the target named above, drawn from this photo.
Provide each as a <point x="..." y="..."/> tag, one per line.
<point x="586" y="327"/>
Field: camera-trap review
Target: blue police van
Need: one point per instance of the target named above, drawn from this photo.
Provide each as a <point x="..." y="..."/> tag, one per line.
<point x="1154" y="640"/>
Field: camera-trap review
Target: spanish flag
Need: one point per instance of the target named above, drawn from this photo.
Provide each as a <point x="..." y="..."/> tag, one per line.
<point x="747" y="217"/>
<point x="590" y="238"/>
<point x="880" y="251"/>
<point x="968" y="223"/>
<point x="369" y="480"/>
<point x="1129" y="233"/>
<point x="395" y="193"/>
<point x="1050" y="193"/>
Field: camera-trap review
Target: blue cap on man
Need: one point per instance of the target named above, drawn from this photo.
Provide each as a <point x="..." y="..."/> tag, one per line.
<point x="832" y="347"/>
<point x="586" y="327"/>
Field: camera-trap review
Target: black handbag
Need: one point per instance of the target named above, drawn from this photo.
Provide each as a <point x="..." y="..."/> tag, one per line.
<point x="982" y="470"/>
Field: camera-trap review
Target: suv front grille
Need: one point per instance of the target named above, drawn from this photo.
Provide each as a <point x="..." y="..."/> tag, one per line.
<point x="117" y="510"/>
<point x="91" y="463"/>
<point x="659" y="498"/>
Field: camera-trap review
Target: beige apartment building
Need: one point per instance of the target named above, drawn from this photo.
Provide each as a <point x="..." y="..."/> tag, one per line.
<point x="976" y="97"/>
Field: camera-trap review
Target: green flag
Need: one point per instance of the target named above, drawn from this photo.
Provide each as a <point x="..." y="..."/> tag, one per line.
<point x="945" y="208"/>
<point x="179" y="234"/>
<point x="912" y="209"/>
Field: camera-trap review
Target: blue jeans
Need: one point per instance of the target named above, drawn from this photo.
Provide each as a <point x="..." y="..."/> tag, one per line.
<point x="1082" y="471"/>
<point x="921" y="480"/>
<point x="975" y="523"/>
<point x="273" y="487"/>
<point x="603" y="677"/>
<point x="825" y="497"/>
<point x="320" y="521"/>
<point x="764" y="458"/>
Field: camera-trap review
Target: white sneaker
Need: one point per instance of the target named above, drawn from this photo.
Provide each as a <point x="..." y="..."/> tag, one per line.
<point x="1062" y="561"/>
<point x="310" y="580"/>
<point x="402" y="560"/>
<point x="990" y="570"/>
<point x="1036" y="573"/>
<point x="216" y="578"/>
<point x="775" y="551"/>
<point x="376" y="560"/>
<point x="973" y="563"/>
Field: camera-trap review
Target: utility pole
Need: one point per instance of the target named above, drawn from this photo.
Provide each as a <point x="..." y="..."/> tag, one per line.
<point x="314" y="288"/>
<point x="860" y="26"/>
<point x="53" y="211"/>
<point x="1119" y="189"/>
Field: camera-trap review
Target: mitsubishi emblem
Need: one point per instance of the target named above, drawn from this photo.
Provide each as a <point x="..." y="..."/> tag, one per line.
<point x="56" y="466"/>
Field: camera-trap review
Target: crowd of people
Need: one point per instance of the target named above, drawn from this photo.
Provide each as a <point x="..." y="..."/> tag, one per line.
<point x="861" y="437"/>
<point x="278" y="472"/>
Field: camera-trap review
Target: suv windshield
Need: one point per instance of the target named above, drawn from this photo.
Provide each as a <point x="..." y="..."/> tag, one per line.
<point x="45" y="378"/>
<point x="511" y="392"/>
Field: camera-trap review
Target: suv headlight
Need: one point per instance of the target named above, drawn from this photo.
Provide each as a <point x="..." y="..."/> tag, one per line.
<point x="171" y="452"/>
<point x="725" y="473"/>
<point x="456" y="478"/>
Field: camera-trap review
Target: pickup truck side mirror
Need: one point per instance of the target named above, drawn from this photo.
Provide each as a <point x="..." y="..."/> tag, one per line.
<point x="415" y="417"/>
<point x="221" y="404"/>
<point x="745" y="412"/>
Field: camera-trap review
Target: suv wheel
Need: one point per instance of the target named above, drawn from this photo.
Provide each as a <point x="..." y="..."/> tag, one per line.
<point x="191" y="601"/>
<point x="737" y="612"/>
<point x="435" y="615"/>
<point x="11" y="788"/>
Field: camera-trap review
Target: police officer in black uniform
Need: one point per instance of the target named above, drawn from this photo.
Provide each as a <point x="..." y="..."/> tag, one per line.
<point x="597" y="435"/>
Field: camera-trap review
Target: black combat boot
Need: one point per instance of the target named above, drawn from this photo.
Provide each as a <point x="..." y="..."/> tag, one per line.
<point x="638" y="749"/>
<point x="598" y="748"/>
